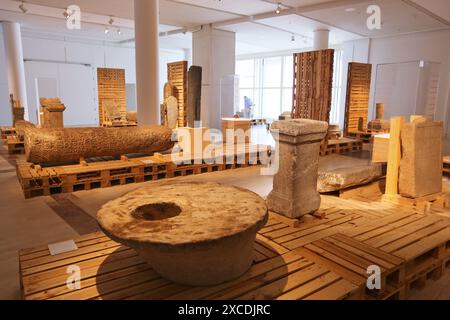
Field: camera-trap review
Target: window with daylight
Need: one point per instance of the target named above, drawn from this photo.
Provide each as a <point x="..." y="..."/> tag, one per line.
<point x="267" y="83"/>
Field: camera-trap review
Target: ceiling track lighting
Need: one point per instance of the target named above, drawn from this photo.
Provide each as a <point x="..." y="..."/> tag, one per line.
<point x="278" y="11"/>
<point x="119" y="32"/>
<point x="23" y="8"/>
<point x="293" y="38"/>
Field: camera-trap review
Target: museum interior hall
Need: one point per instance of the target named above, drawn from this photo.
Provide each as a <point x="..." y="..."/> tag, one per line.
<point x="253" y="150"/>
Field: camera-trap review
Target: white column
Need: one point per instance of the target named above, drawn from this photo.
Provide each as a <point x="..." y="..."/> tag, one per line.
<point x="14" y="63"/>
<point x="321" y="39"/>
<point x="215" y="51"/>
<point x="146" y="19"/>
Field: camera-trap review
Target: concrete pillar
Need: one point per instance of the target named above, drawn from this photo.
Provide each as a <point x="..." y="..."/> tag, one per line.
<point x="215" y="51"/>
<point x="321" y="39"/>
<point x="14" y="63"/>
<point x="146" y="19"/>
<point x="294" y="191"/>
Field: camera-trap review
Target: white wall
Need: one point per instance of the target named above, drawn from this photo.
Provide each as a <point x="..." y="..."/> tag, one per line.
<point x="428" y="46"/>
<point x="39" y="48"/>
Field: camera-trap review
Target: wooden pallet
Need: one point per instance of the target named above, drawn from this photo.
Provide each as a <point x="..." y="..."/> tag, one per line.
<point x="110" y="271"/>
<point x="37" y="181"/>
<point x="341" y="146"/>
<point x="422" y="204"/>
<point x="7" y="131"/>
<point x="351" y="259"/>
<point x="15" y="146"/>
<point x="358" y="94"/>
<point x="422" y="241"/>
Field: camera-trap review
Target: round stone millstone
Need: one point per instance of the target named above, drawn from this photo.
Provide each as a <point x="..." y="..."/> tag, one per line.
<point x="197" y="234"/>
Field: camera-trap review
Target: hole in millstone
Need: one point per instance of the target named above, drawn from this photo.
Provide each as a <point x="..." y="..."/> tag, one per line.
<point x="156" y="211"/>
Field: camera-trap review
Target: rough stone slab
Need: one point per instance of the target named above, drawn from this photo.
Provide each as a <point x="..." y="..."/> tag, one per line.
<point x="339" y="172"/>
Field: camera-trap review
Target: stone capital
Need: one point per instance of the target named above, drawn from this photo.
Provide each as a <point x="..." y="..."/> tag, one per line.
<point x="299" y="131"/>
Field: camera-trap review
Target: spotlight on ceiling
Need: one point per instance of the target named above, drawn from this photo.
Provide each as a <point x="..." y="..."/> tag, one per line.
<point x="278" y="11"/>
<point x="119" y="32"/>
<point x="22" y="7"/>
<point x="106" y="30"/>
<point x="111" y="21"/>
<point x="293" y="38"/>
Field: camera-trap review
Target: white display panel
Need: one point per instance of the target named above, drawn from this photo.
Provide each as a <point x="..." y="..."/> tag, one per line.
<point x="74" y="84"/>
<point x="408" y="88"/>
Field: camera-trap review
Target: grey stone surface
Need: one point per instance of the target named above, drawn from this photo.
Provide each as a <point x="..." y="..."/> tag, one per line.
<point x="294" y="191"/>
<point x="339" y="172"/>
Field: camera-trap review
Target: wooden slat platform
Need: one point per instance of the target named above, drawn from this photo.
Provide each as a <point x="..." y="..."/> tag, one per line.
<point x="312" y="259"/>
<point x="111" y="271"/>
<point x="422" y="241"/>
<point x="37" y="181"/>
<point x="351" y="259"/>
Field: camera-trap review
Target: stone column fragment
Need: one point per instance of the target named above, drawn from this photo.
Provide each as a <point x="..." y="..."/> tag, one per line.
<point x="294" y="191"/>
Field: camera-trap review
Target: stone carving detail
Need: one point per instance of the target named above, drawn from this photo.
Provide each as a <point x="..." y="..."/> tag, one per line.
<point x="65" y="145"/>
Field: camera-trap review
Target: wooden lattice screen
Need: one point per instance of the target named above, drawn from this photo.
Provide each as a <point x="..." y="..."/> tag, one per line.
<point x="358" y="94"/>
<point x="177" y="75"/>
<point x="111" y="89"/>
<point x="313" y="82"/>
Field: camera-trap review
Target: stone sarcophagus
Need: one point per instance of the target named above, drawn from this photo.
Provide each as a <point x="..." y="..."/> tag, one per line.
<point x="294" y="191"/>
<point x="67" y="145"/>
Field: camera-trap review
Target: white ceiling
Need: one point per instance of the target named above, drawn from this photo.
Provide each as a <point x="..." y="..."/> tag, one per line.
<point x="258" y="29"/>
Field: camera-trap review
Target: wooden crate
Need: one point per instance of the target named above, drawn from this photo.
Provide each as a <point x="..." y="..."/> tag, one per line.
<point x="37" y="181"/>
<point x="343" y="145"/>
<point x="111" y="88"/>
<point x="358" y="94"/>
<point x="177" y="75"/>
<point x="351" y="259"/>
<point x="422" y="241"/>
<point x="15" y="146"/>
<point x="313" y="79"/>
<point x="110" y="271"/>
<point x="7" y="131"/>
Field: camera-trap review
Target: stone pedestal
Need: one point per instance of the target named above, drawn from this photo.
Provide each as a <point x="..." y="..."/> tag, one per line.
<point x="295" y="185"/>
<point x="52" y="113"/>
<point x="421" y="164"/>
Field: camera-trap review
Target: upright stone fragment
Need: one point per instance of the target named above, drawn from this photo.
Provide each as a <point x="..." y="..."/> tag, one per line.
<point x="295" y="185"/>
<point x="421" y="164"/>
<point x="194" y="95"/>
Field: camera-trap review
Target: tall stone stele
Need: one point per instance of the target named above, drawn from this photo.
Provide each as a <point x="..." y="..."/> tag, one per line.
<point x="294" y="191"/>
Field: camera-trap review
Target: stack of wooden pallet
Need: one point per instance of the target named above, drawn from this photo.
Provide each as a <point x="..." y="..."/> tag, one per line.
<point x="343" y="145"/>
<point x="37" y="181"/>
<point x="7" y="131"/>
<point x="15" y="145"/>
